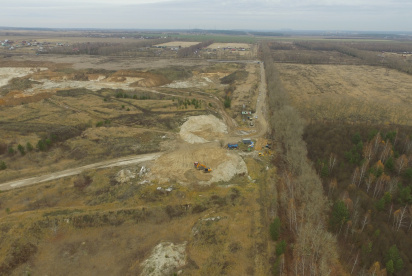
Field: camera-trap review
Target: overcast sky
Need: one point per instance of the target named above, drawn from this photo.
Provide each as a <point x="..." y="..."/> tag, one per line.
<point x="362" y="15"/>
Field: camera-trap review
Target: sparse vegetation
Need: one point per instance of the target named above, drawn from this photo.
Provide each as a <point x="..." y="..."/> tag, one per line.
<point x="349" y="207"/>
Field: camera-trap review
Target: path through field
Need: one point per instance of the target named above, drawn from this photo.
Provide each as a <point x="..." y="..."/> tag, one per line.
<point x="75" y="171"/>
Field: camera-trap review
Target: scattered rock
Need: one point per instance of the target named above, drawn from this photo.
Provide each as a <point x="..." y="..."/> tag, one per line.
<point x="165" y="259"/>
<point x="124" y="176"/>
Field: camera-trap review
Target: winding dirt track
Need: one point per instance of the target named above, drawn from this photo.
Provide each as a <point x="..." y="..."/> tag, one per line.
<point x="262" y="128"/>
<point x="69" y="172"/>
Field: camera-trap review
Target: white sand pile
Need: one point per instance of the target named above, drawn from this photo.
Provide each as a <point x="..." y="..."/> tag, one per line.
<point x="228" y="169"/>
<point x="202" y="129"/>
<point x="166" y="257"/>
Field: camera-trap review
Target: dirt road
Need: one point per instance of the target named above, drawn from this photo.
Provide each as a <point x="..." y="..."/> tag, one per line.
<point x="104" y="164"/>
<point x="261" y="106"/>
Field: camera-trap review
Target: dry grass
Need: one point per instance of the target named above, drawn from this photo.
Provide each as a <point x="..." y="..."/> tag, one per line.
<point x="92" y="224"/>
<point x="74" y="238"/>
<point x="349" y="93"/>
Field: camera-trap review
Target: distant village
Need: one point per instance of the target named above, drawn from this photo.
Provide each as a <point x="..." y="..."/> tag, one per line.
<point x="37" y="46"/>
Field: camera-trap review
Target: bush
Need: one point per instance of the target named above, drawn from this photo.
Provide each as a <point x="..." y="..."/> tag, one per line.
<point x="21" y="149"/>
<point x="227" y="103"/>
<point x="274" y="229"/>
<point x="41" y="145"/>
<point x="280" y="247"/>
<point x="82" y="182"/>
<point x="11" y="151"/>
<point x="29" y="147"/>
<point x="3" y="165"/>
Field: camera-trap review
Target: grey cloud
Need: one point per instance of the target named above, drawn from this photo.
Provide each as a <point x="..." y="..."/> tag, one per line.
<point x="246" y="14"/>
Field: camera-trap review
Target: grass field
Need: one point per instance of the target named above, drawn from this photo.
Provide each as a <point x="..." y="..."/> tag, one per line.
<point x="349" y="93"/>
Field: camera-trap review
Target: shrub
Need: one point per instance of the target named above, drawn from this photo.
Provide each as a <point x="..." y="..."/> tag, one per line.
<point x="29" y="147"/>
<point x="3" y="165"/>
<point x="82" y="182"/>
<point x="41" y="145"/>
<point x="11" y="151"/>
<point x="227" y="103"/>
<point x="21" y="149"/>
<point x="274" y="229"/>
<point x="280" y="247"/>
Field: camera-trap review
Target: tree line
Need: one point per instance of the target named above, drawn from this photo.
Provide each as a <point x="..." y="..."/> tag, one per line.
<point x="193" y="50"/>
<point x="104" y="48"/>
<point x="302" y="206"/>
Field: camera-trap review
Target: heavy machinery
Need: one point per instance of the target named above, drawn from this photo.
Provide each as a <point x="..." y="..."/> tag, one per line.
<point x="202" y="167"/>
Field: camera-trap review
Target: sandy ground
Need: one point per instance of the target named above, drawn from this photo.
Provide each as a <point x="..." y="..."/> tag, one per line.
<point x="197" y="132"/>
<point x="124" y="161"/>
<point x="8" y="73"/>
<point x="51" y="85"/>
<point x="202" y="140"/>
<point x="202" y="129"/>
<point x="182" y="44"/>
<point x="201" y="80"/>
<point x="110" y="63"/>
<point x="165" y="258"/>
<point x="228" y="45"/>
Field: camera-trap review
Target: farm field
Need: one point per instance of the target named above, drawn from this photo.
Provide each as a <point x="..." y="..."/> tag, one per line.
<point x="349" y="93"/>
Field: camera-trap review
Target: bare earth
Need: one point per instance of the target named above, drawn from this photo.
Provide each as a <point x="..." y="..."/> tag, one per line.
<point x="182" y="44"/>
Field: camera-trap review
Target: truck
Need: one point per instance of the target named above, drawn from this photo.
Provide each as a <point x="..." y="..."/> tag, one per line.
<point x="232" y="146"/>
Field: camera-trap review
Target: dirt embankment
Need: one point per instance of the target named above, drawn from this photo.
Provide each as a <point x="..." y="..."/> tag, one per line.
<point x="200" y="135"/>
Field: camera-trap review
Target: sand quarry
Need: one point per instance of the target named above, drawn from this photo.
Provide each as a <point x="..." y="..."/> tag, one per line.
<point x="200" y="143"/>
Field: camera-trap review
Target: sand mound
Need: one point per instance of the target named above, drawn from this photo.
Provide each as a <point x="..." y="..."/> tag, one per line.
<point x="166" y="257"/>
<point x="178" y="165"/>
<point x="202" y="129"/>
<point x="8" y="73"/>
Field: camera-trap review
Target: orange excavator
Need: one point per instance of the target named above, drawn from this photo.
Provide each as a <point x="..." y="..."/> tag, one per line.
<point x="202" y="167"/>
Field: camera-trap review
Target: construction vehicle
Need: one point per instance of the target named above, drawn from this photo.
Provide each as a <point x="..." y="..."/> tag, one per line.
<point x="202" y="167"/>
<point x="232" y="146"/>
